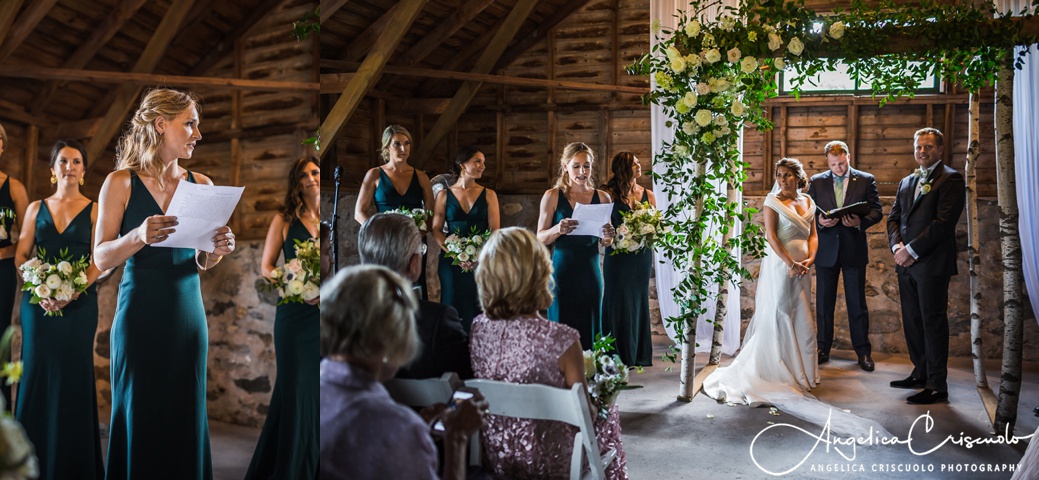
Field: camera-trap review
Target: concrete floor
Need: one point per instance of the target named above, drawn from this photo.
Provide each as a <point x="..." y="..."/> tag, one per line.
<point x="665" y="438"/>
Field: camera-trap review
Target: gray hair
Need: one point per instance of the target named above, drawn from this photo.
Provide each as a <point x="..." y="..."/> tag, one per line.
<point x="389" y="239"/>
<point x="368" y="311"/>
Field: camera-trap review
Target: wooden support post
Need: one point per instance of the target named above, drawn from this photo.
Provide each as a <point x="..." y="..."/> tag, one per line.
<point x="370" y="70"/>
<point x="853" y="130"/>
<point x="783" y="127"/>
<point x="465" y="94"/>
<point x="947" y="130"/>
<point x="766" y="160"/>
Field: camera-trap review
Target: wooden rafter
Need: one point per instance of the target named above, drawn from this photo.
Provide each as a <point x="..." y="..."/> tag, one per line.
<point x="99" y="76"/>
<point x="465" y="94"/>
<point x="463" y="57"/>
<point x="198" y="13"/>
<point x="86" y="50"/>
<point x="335" y="82"/>
<point x="539" y="33"/>
<point x="367" y="39"/>
<point x="370" y="71"/>
<point x="443" y="31"/>
<point x="126" y="94"/>
<point x="8" y="10"/>
<point x="226" y="46"/>
<point x="13" y="111"/>
<point x="329" y="7"/>
<point x="27" y="21"/>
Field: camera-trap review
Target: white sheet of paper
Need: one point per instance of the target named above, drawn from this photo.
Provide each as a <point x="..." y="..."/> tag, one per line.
<point x="200" y="211"/>
<point x="591" y="218"/>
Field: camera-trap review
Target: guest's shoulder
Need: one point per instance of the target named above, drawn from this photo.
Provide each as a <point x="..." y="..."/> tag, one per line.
<point x="818" y="176"/>
<point x="861" y="173"/>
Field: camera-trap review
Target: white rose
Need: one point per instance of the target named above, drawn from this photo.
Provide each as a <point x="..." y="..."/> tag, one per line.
<point x="53" y="281"/>
<point x="689" y="99"/>
<point x="734" y="54"/>
<point x="718" y="85"/>
<point x="724" y="130"/>
<point x="647" y="228"/>
<point x="310" y="292"/>
<point x="678" y="64"/>
<point x="64" y="293"/>
<point x="702" y="88"/>
<point x="728" y="23"/>
<point x="738" y="108"/>
<point x="720" y="120"/>
<point x="795" y="46"/>
<point x="672" y="53"/>
<point x="470" y="250"/>
<point x="837" y="29"/>
<point x="690" y="128"/>
<point x="65" y="267"/>
<point x="703" y="117"/>
<point x="681" y="150"/>
<point x="692" y="61"/>
<point x="294" y="287"/>
<point x="692" y="28"/>
<point x="749" y="64"/>
<point x="780" y="64"/>
<point x="463" y="257"/>
<point x="477" y="240"/>
<point x="712" y="55"/>
<point x="774" y="41"/>
<point x="43" y="291"/>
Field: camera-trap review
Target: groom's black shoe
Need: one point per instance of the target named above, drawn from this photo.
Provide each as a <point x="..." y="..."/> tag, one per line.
<point x="909" y="382"/>
<point x="866" y="363"/>
<point x="1036" y="411"/>
<point x="823" y="357"/>
<point x="928" y="397"/>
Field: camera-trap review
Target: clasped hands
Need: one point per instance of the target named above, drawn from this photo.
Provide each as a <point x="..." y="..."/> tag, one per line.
<point x="800" y="268"/>
<point x="52" y="305"/>
<point x="903" y="258"/>
<point x="462" y="418"/>
<point x="846" y="220"/>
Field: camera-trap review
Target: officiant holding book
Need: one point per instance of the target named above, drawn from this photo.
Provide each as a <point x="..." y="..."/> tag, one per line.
<point x="843" y="248"/>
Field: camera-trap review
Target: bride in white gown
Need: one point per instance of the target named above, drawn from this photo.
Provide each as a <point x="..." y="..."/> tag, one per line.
<point x="777" y="364"/>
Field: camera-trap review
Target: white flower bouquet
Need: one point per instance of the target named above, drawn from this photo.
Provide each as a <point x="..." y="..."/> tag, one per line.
<point x="465" y="248"/>
<point x="59" y="279"/>
<point x="605" y="374"/>
<point x="419" y="215"/>
<point x="7" y="217"/>
<point x="639" y="228"/>
<point x="299" y="280"/>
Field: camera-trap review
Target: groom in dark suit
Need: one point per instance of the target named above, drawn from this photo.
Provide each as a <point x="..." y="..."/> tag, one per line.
<point x="842" y="248"/>
<point x="922" y="235"/>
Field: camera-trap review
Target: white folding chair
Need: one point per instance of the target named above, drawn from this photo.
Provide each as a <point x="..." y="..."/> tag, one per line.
<point x="542" y="402"/>
<point x="423" y="392"/>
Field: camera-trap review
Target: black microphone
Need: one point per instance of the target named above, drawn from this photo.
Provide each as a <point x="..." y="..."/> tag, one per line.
<point x="333" y="234"/>
<point x="338" y="174"/>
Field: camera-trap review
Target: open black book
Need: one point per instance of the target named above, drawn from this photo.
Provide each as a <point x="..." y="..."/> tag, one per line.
<point x="861" y="209"/>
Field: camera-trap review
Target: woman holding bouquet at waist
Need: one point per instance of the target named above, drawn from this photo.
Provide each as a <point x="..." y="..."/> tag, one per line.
<point x="396" y="185"/>
<point x="57" y="401"/>
<point x="467" y="208"/>
<point x="575" y="258"/>
<point x="625" y="301"/>
<point x="159" y="428"/>
<point x="13" y="201"/>
<point x="288" y="445"/>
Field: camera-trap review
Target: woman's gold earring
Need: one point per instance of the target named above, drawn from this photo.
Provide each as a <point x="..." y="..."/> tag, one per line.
<point x="54" y="179"/>
<point x="81" y="180"/>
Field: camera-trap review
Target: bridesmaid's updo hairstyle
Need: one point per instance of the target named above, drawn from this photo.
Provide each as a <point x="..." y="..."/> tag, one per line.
<point x="514" y="274"/>
<point x="293" y="206"/>
<point x="387" y="137"/>
<point x="368" y="311"/>
<point x="569" y="152"/>
<point x="61" y="144"/>
<point x="139" y="147"/>
<point x="461" y="156"/>
<point x="620" y="184"/>
<point x="390" y="240"/>
<point x="795" y="166"/>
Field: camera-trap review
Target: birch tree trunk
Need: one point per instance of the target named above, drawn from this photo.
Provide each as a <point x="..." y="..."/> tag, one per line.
<point x="973" y="238"/>
<point x="685" y="387"/>
<point x="1010" y="377"/>
<point x="721" y="309"/>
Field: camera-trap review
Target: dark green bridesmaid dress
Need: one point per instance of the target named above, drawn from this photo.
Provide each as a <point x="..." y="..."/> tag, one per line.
<point x="159" y="427"/>
<point x="57" y="401"/>
<point x="387" y="198"/>
<point x="8" y="277"/>
<point x="577" y="296"/>
<point x="288" y="445"/>
<point x="458" y="288"/>
<point x="625" y="301"/>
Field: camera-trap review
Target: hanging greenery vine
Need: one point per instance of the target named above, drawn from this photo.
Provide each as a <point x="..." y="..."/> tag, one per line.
<point x="712" y="78"/>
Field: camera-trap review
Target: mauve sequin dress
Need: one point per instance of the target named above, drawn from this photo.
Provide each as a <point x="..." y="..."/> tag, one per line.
<point x="527" y="350"/>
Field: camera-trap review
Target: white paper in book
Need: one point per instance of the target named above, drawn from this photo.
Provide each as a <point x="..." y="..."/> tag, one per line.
<point x="591" y="218"/>
<point x="200" y="211"/>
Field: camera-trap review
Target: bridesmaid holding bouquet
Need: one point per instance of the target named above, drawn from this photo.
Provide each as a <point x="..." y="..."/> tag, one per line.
<point x="13" y="201"/>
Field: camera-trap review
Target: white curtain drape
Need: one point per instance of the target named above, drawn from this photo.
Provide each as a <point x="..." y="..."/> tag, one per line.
<point x="667" y="278"/>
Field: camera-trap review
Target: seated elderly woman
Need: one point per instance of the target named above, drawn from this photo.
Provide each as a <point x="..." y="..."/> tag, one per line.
<point x="367" y="332"/>
<point x="512" y="342"/>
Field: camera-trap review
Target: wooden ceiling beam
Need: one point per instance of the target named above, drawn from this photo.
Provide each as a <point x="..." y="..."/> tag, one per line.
<point x="463" y="57"/>
<point x="364" y="42"/>
<point x="21" y="29"/>
<point x="335" y="82"/>
<point x="99" y="76"/>
<point x="199" y="13"/>
<point x="520" y="11"/>
<point x="8" y="10"/>
<point x="368" y="75"/>
<point x="448" y="27"/>
<point x="225" y="48"/>
<point x="330" y="7"/>
<point x="127" y="94"/>
<point x="86" y="50"/>
<point x="13" y="111"/>
<point x="539" y="33"/>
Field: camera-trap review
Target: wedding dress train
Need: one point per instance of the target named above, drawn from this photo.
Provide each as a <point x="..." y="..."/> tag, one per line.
<point x="777" y="363"/>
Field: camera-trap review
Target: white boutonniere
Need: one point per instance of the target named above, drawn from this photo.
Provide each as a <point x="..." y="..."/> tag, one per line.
<point x="925" y="188"/>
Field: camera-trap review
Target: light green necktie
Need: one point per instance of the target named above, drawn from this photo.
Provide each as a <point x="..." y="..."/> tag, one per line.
<point x="838" y="191"/>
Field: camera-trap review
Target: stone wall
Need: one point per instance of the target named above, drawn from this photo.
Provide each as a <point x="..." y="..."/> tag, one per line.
<point x="881" y="281"/>
<point x="241" y="365"/>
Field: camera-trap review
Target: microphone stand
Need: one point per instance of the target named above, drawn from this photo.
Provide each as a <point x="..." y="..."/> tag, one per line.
<point x="333" y="234"/>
